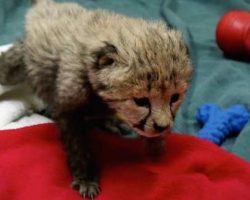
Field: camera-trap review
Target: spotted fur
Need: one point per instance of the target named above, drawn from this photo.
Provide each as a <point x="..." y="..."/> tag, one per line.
<point x="90" y="66"/>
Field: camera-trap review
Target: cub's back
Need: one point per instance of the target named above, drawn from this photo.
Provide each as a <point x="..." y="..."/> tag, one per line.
<point x="54" y="24"/>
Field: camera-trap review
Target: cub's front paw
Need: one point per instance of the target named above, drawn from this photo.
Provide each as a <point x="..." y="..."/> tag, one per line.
<point x="115" y="125"/>
<point x="88" y="189"/>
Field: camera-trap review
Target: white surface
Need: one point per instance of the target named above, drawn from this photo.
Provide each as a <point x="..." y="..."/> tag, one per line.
<point x="5" y="47"/>
<point x="17" y="103"/>
<point x="31" y="120"/>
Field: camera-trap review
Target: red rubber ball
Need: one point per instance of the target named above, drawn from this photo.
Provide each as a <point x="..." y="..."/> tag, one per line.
<point x="233" y="33"/>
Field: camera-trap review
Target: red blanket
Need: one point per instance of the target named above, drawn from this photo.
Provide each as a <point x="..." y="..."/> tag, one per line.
<point x="33" y="167"/>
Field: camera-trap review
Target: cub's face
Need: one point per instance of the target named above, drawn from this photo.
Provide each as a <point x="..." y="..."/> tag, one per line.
<point x="144" y="82"/>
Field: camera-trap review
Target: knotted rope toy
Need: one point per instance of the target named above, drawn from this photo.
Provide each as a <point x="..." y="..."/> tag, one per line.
<point x="219" y="124"/>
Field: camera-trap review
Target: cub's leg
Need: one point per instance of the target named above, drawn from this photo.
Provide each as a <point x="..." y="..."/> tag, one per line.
<point x="81" y="162"/>
<point x="12" y="70"/>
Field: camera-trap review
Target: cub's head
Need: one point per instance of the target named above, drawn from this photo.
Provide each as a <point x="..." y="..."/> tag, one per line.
<point x="143" y="76"/>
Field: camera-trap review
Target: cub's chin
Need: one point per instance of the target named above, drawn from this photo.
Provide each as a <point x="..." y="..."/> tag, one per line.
<point x="150" y="134"/>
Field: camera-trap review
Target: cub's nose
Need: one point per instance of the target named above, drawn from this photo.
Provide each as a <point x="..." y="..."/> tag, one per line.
<point x="159" y="128"/>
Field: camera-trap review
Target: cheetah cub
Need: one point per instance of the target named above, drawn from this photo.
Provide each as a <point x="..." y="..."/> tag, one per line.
<point x="92" y="66"/>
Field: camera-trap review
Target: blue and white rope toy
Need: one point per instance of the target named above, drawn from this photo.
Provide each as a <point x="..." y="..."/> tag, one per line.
<point x="219" y="124"/>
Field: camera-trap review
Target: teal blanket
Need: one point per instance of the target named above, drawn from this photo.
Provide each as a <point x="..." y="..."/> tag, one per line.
<point x="216" y="79"/>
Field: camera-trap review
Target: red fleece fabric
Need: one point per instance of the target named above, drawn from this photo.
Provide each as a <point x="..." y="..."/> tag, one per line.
<point x="33" y="167"/>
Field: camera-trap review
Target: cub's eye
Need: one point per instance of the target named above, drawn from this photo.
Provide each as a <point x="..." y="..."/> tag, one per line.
<point x="105" y="55"/>
<point x="144" y="102"/>
<point x="174" y="98"/>
<point x="105" y="60"/>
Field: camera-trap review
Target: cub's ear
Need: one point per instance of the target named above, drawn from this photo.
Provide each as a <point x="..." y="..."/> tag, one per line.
<point x="105" y="56"/>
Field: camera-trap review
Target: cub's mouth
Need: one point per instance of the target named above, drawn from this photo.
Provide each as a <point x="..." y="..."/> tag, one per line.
<point x="150" y="134"/>
<point x="146" y="134"/>
<point x="139" y="129"/>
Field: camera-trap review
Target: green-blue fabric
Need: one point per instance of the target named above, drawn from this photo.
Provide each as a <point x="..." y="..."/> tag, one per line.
<point x="12" y="13"/>
<point x="216" y="79"/>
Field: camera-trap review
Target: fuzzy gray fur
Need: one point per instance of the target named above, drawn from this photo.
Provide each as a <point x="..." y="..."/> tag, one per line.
<point x="89" y="66"/>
